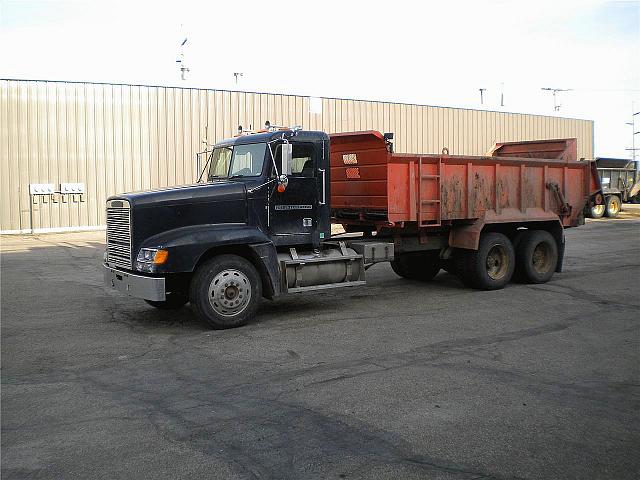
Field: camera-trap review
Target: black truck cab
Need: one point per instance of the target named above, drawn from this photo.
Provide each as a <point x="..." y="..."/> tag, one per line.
<point x="262" y="201"/>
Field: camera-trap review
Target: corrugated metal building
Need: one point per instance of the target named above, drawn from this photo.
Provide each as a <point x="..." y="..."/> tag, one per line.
<point x="116" y="138"/>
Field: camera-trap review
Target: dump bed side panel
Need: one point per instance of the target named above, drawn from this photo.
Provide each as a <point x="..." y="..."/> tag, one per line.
<point x="447" y="188"/>
<point x="435" y="190"/>
<point x="359" y="163"/>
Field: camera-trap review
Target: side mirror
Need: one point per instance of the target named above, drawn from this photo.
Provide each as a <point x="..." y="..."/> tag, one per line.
<point x="287" y="158"/>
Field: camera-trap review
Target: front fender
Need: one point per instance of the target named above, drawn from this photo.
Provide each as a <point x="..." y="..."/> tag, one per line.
<point x="187" y="244"/>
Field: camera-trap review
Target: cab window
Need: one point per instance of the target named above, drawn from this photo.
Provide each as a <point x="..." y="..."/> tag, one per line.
<point x="303" y="161"/>
<point x="247" y="160"/>
<point x="220" y="161"/>
<point x="303" y="164"/>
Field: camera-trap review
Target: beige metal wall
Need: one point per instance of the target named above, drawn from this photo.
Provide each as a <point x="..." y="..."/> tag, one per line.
<point x="118" y="138"/>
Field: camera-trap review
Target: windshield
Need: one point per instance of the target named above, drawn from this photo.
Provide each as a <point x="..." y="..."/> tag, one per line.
<point x="237" y="161"/>
<point x="220" y="160"/>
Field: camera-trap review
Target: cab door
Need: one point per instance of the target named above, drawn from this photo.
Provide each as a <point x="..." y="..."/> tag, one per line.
<point x="294" y="212"/>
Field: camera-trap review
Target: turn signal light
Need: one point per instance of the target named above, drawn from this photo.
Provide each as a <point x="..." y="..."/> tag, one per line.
<point x="160" y="257"/>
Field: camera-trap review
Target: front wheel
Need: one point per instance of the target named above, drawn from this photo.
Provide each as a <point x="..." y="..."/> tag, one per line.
<point x="225" y="291"/>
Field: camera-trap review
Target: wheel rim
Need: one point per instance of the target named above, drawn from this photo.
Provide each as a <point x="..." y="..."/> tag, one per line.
<point x="497" y="262"/>
<point x="229" y="292"/>
<point x="598" y="210"/>
<point x="541" y="258"/>
<point x="614" y="206"/>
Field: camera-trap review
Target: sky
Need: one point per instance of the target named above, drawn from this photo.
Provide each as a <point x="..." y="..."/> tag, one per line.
<point x="430" y="53"/>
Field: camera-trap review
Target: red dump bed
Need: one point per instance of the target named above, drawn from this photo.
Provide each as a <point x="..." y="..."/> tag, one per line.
<point x="516" y="181"/>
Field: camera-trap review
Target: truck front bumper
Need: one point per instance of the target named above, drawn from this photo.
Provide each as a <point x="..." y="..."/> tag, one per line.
<point x="149" y="288"/>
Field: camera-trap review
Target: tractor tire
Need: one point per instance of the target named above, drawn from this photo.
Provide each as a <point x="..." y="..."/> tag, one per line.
<point x="225" y="291"/>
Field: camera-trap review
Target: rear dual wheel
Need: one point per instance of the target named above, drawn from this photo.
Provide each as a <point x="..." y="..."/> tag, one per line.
<point x="536" y="256"/>
<point x="533" y="260"/>
<point x="597" y="211"/>
<point x="491" y="266"/>
<point x="613" y="206"/>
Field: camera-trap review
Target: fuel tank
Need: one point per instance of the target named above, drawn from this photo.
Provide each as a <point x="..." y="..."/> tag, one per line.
<point x="328" y="268"/>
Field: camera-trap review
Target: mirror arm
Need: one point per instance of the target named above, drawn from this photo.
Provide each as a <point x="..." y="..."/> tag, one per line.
<point x="273" y="158"/>
<point x="284" y="139"/>
<point x="205" y="166"/>
<point x="253" y="189"/>
<point x="279" y="178"/>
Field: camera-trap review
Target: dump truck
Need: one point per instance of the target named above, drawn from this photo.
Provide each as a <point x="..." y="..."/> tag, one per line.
<point x="258" y="222"/>
<point x="620" y="183"/>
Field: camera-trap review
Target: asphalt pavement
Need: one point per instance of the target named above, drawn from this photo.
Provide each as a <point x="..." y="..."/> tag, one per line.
<point x="398" y="379"/>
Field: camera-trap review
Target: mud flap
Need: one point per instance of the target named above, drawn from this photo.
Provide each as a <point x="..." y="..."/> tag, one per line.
<point x="560" y="256"/>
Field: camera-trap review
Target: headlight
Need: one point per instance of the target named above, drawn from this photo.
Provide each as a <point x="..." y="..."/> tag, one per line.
<point x="148" y="258"/>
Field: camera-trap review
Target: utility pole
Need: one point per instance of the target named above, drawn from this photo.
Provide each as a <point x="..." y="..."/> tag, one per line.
<point x="633" y="138"/>
<point x="237" y="75"/>
<point x="180" y="60"/>
<point x="556" y="105"/>
<point x="482" y="90"/>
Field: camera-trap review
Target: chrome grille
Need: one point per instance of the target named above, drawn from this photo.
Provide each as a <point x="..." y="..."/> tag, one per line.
<point x="119" y="233"/>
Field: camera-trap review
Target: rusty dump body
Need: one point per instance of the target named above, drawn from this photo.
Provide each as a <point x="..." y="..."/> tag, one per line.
<point x="516" y="183"/>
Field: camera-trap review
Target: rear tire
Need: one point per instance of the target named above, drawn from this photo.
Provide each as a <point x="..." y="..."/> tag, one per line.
<point x="449" y="266"/>
<point x="417" y="266"/>
<point x="225" y="291"/>
<point x="491" y="266"/>
<point x="536" y="257"/>
<point x="173" y="302"/>
<point x="612" y="206"/>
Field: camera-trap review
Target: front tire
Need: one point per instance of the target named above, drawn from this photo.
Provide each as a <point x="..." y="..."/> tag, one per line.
<point x="491" y="266"/>
<point x="225" y="291"/>
<point x="613" y="206"/>
<point x="536" y="257"/>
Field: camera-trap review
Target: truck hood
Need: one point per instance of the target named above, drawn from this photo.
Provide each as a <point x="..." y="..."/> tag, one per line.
<point x="181" y="194"/>
<point x="162" y="210"/>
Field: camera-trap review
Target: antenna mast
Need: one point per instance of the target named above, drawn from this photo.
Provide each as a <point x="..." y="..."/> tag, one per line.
<point x="180" y="60"/>
<point x="556" y="105"/>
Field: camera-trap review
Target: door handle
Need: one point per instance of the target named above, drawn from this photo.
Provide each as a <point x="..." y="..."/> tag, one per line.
<point x="324" y="187"/>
